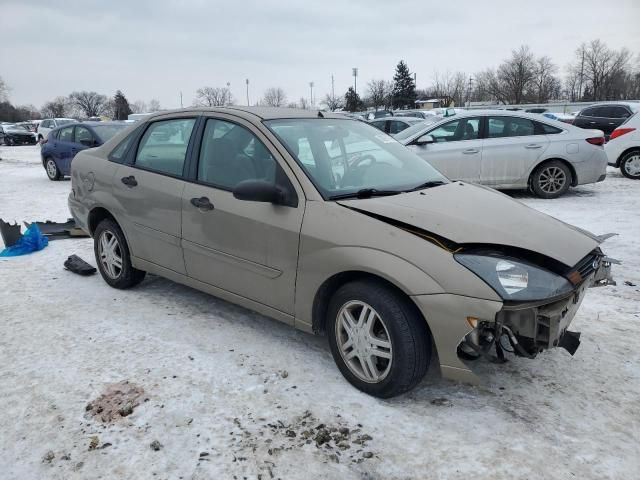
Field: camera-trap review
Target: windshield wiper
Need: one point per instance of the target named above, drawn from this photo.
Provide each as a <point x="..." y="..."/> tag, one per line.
<point x="433" y="183"/>
<point x="366" y="193"/>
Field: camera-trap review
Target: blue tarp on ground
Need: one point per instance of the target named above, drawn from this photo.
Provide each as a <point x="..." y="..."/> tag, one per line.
<point x="31" y="241"/>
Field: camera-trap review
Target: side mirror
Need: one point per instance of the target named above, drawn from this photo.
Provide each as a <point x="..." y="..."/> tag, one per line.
<point x="259" y="191"/>
<point x="424" y="140"/>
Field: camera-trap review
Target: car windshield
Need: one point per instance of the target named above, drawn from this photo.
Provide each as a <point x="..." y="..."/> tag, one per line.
<point x="105" y="132"/>
<point x="63" y="121"/>
<point x="417" y="128"/>
<point x="346" y="157"/>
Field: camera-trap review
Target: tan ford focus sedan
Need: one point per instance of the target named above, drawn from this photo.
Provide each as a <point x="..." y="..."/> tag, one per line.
<point x="330" y="225"/>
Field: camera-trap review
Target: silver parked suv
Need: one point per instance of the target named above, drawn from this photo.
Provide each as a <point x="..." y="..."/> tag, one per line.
<point x="329" y="225"/>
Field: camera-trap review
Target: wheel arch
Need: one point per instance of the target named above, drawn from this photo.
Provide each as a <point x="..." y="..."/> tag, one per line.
<point x="628" y="150"/>
<point x="574" y="175"/>
<point x="331" y="285"/>
<point x="98" y="214"/>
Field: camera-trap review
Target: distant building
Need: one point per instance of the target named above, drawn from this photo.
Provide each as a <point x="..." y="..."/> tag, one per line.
<point x="428" y="104"/>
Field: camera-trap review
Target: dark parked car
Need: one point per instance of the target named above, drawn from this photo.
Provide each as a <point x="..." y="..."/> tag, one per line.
<point x="16" y="135"/>
<point x="64" y="142"/>
<point x="396" y="125"/>
<point x="605" y="116"/>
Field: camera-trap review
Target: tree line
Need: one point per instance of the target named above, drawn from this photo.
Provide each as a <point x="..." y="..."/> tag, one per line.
<point x="596" y="73"/>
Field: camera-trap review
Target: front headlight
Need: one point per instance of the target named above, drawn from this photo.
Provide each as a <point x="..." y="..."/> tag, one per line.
<point x="514" y="279"/>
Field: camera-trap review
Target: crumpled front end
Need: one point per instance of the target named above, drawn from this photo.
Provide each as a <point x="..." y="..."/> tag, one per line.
<point x="527" y="328"/>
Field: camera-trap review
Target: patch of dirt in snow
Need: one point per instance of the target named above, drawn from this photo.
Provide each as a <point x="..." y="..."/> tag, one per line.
<point x="117" y="401"/>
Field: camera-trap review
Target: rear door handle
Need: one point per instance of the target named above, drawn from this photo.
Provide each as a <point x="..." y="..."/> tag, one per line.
<point x="533" y="145"/>
<point x="202" y="203"/>
<point x="130" y="181"/>
<point x="469" y="151"/>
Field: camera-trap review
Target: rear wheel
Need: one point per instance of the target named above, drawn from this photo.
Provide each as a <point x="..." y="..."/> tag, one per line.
<point x="551" y="179"/>
<point x="630" y="164"/>
<point x="52" y="169"/>
<point x="377" y="338"/>
<point x="112" y="256"/>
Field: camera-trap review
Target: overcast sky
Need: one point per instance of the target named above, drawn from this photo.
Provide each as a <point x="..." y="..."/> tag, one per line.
<point x="155" y="49"/>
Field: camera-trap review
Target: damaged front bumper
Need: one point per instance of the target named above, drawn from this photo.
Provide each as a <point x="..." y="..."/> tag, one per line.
<point x="527" y="329"/>
<point x="465" y="328"/>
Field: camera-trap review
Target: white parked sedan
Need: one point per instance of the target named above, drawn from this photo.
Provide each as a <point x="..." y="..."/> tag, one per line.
<point x="623" y="148"/>
<point x="511" y="150"/>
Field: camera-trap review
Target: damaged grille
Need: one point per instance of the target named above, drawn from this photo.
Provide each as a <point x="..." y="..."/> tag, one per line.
<point x="585" y="267"/>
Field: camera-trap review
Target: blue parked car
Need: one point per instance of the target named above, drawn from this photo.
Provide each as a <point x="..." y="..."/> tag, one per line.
<point x="64" y="142"/>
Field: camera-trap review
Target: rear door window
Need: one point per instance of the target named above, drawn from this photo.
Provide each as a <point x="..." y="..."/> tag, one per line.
<point x="65" y="134"/>
<point x="503" y="126"/>
<point x="396" y="126"/>
<point x="163" y="147"/>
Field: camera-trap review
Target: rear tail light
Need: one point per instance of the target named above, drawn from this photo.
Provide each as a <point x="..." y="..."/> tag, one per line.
<point x="596" y="141"/>
<point x="618" y="132"/>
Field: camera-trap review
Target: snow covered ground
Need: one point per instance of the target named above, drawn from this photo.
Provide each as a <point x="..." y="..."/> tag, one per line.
<point x="231" y="394"/>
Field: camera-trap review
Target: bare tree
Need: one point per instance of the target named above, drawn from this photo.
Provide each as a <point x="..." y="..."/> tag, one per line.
<point x="378" y="92"/>
<point x="91" y="104"/>
<point x="4" y="91"/>
<point x="517" y="74"/>
<point x="448" y="87"/>
<point x="154" y="105"/>
<point x="303" y="103"/>
<point x="58" y="107"/>
<point x="213" y="97"/>
<point x="601" y="64"/>
<point x="544" y="79"/>
<point x="333" y="102"/>
<point x="274" y="97"/>
<point x="138" y="107"/>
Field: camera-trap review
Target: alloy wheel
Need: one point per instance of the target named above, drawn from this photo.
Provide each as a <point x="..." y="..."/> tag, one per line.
<point x="552" y="180"/>
<point x="632" y="165"/>
<point x="52" y="170"/>
<point x="363" y="341"/>
<point x="110" y="254"/>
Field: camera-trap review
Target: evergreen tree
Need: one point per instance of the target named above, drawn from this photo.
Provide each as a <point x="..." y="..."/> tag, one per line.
<point x="121" y="106"/>
<point x="352" y="101"/>
<point x="404" y="88"/>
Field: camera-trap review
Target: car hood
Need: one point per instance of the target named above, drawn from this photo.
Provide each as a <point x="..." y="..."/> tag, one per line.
<point x="465" y="213"/>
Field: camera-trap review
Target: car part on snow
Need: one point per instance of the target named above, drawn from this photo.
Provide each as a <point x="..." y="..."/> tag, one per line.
<point x="10" y="233"/>
<point x="55" y="230"/>
<point x="77" y="265"/>
<point x="31" y="241"/>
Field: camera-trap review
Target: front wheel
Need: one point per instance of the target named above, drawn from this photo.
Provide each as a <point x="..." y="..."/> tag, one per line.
<point x="52" y="169"/>
<point x="551" y="179"/>
<point x="112" y="256"/>
<point x="378" y="340"/>
<point x="630" y="165"/>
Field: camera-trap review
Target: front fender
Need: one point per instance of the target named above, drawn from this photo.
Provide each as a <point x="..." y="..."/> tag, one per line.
<point x="318" y="266"/>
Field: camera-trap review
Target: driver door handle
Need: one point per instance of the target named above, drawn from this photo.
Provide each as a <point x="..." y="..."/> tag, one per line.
<point x="469" y="151"/>
<point x="202" y="203"/>
<point x="533" y="145"/>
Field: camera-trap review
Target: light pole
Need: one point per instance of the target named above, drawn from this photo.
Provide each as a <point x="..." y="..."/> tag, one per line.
<point x="247" y="92"/>
<point x="228" y="93"/>
<point x="311" y="97"/>
<point x="355" y="79"/>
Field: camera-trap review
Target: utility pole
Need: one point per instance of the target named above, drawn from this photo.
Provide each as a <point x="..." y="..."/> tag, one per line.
<point x="247" y="92"/>
<point x="333" y="92"/>
<point x="355" y="79"/>
<point x="469" y="92"/>
<point x="581" y="75"/>
<point x="228" y="93"/>
<point x="311" y="97"/>
<point x="181" y="99"/>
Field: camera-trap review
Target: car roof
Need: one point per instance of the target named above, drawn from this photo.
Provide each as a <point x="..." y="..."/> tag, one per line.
<point x="263" y="113"/>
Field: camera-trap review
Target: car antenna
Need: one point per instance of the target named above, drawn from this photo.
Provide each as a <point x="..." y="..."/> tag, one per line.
<point x="320" y="115"/>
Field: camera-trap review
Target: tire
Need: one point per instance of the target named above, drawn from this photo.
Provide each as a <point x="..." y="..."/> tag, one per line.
<point x="630" y="164"/>
<point x="551" y="179"/>
<point x="40" y="138"/>
<point x="396" y="323"/>
<point x="122" y="277"/>
<point x="53" y="172"/>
